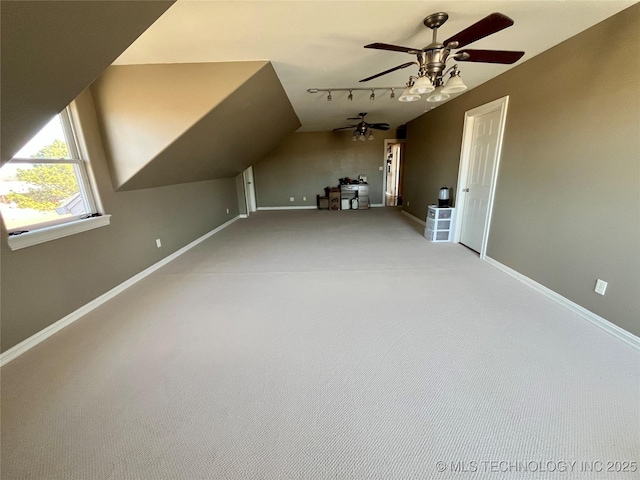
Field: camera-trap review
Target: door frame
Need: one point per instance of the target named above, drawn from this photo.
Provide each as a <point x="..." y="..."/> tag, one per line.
<point x="387" y="142"/>
<point x="465" y="157"/>
<point x="249" y="190"/>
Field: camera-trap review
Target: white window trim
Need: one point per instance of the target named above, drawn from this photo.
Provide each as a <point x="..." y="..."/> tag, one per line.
<point x="46" y="234"/>
<point x="77" y="150"/>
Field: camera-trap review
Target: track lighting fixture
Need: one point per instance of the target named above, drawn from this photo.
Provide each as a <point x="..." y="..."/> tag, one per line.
<point x="372" y="97"/>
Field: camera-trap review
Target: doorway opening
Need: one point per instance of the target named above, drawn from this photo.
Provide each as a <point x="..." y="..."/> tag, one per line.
<point x="394" y="163"/>
<point x="479" y="161"/>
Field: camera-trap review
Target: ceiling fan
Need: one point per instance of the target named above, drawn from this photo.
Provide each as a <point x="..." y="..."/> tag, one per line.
<point x="431" y="60"/>
<point x="361" y="129"/>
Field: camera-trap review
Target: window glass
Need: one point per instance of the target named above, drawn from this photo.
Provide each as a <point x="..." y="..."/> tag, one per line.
<point x="50" y="142"/>
<point x="45" y="183"/>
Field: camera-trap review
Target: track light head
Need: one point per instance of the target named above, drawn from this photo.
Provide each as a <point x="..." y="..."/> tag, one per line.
<point x="329" y="97"/>
<point x="350" y="97"/>
<point x="393" y="94"/>
<point x="372" y="97"/>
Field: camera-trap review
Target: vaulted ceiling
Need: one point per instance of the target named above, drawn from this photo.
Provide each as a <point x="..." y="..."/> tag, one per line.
<point x="211" y="86"/>
<point x="320" y="44"/>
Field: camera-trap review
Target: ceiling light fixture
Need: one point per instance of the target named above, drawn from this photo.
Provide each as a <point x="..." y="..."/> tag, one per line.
<point x="355" y="89"/>
<point x="407" y="96"/>
<point x="454" y="83"/>
<point x="432" y="59"/>
<point x="370" y="135"/>
<point x="422" y="85"/>
<point x="438" y="95"/>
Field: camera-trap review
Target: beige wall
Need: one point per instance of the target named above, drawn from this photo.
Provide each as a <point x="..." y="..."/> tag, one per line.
<point x="142" y="109"/>
<point x="305" y="163"/>
<point x="43" y="283"/>
<point x="567" y="200"/>
<point x="151" y="115"/>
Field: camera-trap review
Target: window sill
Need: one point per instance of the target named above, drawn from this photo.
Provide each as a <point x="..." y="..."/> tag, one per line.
<point x="47" y="234"/>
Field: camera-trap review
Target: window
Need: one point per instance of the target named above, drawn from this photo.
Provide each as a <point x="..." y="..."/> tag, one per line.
<point x="45" y="188"/>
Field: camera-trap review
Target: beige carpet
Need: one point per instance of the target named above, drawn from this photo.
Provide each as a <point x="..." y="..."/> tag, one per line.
<point x="324" y="345"/>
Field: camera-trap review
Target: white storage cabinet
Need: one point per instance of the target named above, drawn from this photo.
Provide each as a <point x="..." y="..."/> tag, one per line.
<point x="439" y="226"/>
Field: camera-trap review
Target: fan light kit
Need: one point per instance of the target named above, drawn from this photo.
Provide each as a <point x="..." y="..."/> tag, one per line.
<point x="431" y="60"/>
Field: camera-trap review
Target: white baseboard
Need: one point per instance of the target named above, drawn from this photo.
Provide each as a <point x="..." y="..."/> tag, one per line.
<point x="243" y="215"/>
<point x="17" y="350"/>
<point x="309" y="207"/>
<point x="293" y="207"/>
<point x="415" y="219"/>
<point x="597" y="320"/>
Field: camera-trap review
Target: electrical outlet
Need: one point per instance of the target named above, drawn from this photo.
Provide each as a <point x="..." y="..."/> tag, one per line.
<point x="601" y="287"/>
<point x="304" y="199"/>
<point x="227" y="210"/>
<point x="291" y="199"/>
<point x="380" y="168"/>
<point x="158" y="243"/>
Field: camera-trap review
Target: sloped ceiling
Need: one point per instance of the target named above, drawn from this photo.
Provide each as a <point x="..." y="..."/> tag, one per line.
<point x="176" y="123"/>
<point x="319" y="44"/>
<point x="52" y="50"/>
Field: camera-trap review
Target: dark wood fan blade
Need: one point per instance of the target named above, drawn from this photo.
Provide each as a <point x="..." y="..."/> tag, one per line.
<point x="393" y="48"/>
<point x="488" y="56"/>
<point x="404" y="65"/>
<point x="488" y="25"/>
<point x="343" y="128"/>
<point x="379" y="126"/>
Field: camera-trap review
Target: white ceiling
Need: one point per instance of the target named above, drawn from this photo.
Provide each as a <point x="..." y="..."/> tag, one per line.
<point x="319" y="44"/>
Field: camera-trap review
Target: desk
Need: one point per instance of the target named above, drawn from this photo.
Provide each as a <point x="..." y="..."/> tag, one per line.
<point x="356" y="190"/>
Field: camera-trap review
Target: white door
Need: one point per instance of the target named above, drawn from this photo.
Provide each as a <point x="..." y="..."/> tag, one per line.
<point x="249" y="190"/>
<point x="480" y="174"/>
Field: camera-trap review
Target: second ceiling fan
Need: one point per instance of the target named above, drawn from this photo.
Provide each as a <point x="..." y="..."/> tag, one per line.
<point x="361" y="129"/>
<point x="431" y="60"/>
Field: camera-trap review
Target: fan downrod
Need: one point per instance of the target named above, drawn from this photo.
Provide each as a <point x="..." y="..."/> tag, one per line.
<point x="435" y="20"/>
